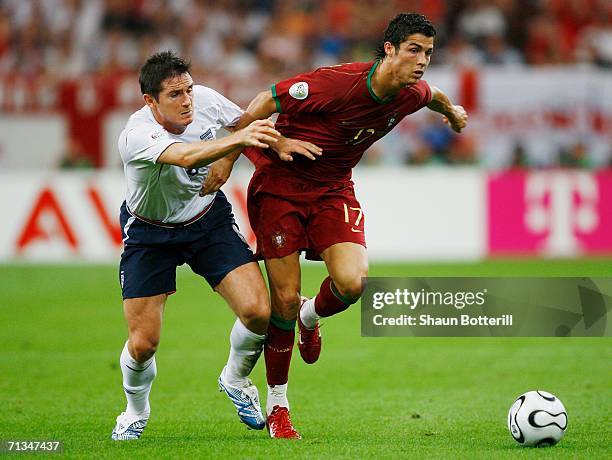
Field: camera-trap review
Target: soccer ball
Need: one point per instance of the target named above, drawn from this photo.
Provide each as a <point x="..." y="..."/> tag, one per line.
<point x="537" y="418"/>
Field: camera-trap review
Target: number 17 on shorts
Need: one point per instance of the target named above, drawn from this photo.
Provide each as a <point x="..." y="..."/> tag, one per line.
<point x="353" y="216"/>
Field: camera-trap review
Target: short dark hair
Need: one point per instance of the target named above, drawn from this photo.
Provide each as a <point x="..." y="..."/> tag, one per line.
<point x="159" y="67"/>
<point x="401" y="27"/>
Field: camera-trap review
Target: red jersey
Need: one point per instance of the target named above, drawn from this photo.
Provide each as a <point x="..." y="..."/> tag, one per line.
<point x="336" y="109"/>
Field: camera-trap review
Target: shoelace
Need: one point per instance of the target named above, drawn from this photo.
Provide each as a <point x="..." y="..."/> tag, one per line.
<point x="283" y="422"/>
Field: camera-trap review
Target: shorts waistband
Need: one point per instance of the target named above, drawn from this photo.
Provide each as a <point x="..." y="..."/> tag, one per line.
<point x="171" y="224"/>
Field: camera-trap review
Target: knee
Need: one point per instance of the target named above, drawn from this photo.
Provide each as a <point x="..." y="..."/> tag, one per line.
<point x="143" y="347"/>
<point x="352" y="285"/>
<point x="256" y="314"/>
<point x="287" y="303"/>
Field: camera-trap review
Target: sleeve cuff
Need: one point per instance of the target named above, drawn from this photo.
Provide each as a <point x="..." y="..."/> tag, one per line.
<point x="276" y="100"/>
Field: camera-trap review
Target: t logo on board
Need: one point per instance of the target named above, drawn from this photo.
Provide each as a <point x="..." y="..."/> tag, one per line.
<point x="555" y="213"/>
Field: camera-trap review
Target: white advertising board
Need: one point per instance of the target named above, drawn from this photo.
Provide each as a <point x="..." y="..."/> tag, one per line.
<point x="411" y="214"/>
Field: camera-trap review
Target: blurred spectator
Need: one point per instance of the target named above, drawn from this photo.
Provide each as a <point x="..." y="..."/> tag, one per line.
<point x="124" y="16"/>
<point x="518" y="159"/>
<point x="437" y="137"/>
<point x="238" y="61"/>
<point x="595" y="44"/>
<point x="543" y="41"/>
<point x="459" y="53"/>
<point x="281" y="49"/>
<point x="571" y="17"/>
<point x="497" y="52"/>
<point x="464" y="150"/>
<point x="6" y="55"/>
<point x="574" y="156"/>
<point x="481" y="18"/>
<point x="421" y="156"/>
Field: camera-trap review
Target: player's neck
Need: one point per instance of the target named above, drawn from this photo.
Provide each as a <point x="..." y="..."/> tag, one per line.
<point x="383" y="83"/>
<point x="172" y="128"/>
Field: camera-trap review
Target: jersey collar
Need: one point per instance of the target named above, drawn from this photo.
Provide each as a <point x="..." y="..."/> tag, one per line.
<point x="369" y="85"/>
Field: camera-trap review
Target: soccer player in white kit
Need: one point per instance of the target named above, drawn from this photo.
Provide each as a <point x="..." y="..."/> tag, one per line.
<point x="166" y="147"/>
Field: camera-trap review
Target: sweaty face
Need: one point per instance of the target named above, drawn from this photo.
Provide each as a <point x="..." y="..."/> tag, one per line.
<point x="174" y="107"/>
<point x="409" y="61"/>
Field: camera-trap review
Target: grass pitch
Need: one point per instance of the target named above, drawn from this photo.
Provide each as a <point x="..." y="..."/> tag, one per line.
<point x="62" y="331"/>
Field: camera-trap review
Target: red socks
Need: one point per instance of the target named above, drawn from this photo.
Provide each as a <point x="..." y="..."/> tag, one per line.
<point x="277" y="351"/>
<point x="281" y="333"/>
<point x="328" y="301"/>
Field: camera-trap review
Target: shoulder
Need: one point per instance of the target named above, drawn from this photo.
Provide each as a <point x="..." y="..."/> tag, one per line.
<point x="206" y="102"/>
<point x="324" y="80"/>
<point x="141" y="131"/>
<point x="141" y="122"/>
<point x="334" y="73"/>
<point x="142" y="117"/>
<point x="348" y="68"/>
<point x="421" y="90"/>
<point x="200" y="91"/>
<point x="346" y="71"/>
<point x="207" y="98"/>
<point x="204" y="96"/>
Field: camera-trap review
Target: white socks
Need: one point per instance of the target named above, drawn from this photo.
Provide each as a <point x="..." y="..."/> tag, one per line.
<point x="277" y="396"/>
<point x="308" y="314"/>
<point x="246" y="346"/>
<point x="137" y="380"/>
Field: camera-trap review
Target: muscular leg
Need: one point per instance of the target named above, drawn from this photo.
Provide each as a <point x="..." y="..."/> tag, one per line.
<point x="285" y="284"/>
<point x="144" y="319"/>
<point x="244" y="289"/>
<point x="347" y="264"/>
<point x="245" y="292"/>
<point x="284" y="280"/>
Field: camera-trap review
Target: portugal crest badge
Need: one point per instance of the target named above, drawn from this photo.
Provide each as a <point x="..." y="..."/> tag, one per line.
<point x="279" y="239"/>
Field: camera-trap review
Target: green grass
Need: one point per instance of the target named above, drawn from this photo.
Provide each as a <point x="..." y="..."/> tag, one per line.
<point x="62" y="331"/>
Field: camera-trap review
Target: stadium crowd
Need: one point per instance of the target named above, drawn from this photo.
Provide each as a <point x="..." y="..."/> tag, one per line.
<point x="250" y="43"/>
<point x="70" y="37"/>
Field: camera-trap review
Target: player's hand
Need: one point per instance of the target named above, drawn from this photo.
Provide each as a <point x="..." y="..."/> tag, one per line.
<point x="260" y="133"/>
<point x="456" y="118"/>
<point x="218" y="174"/>
<point x="286" y="147"/>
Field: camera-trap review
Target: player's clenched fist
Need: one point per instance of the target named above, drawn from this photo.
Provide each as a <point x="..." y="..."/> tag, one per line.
<point x="456" y="118"/>
<point x="260" y="133"/>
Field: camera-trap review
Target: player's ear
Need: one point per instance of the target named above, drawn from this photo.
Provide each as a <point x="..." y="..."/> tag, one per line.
<point x="149" y="100"/>
<point x="389" y="49"/>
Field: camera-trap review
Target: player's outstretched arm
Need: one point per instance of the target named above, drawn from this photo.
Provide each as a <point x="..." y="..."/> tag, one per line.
<point x="220" y="170"/>
<point x="261" y="107"/>
<point x="260" y="133"/>
<point x="454" y="115"/>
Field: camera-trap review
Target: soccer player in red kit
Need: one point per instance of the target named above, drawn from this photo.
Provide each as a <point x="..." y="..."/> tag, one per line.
<point x="305" y="205"/>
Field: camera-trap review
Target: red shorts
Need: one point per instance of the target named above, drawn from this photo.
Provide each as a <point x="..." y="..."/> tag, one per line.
<point x="290" y="214"/>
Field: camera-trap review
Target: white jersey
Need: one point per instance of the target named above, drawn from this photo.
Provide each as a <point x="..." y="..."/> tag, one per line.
<point x="166" y="193"/>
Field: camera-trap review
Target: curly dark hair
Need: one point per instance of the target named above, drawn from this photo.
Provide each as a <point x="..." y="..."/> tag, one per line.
<point x="402" y="26"/>
<point x="159" y="67"/>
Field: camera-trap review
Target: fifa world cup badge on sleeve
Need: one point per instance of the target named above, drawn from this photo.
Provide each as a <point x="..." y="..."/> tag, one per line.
<point x="299" y="90"/>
